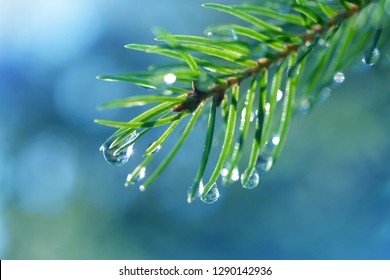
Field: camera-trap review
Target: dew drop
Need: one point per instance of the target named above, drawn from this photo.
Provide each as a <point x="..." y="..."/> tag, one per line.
<point x="110" y="154"/>
<point x="212" y="196"/>
<point x="253" y="180"/>
<point x="372" y="58"/>
<point x="304" y="106"/>
<point x="339" y="77"/>
<point x="267" y="108"/>
<point x="323" y="43"/>
<point x="234" y="35"/>
<point x="264" y="164"/>
<point x="141" y="175"/>
<point x="279" y="95"/>
<point x="169" y="79"/>
<point x="275" y="140"/>
<point x="235" y="175"/>
<point x="191" y="189"/>
<point x="243" y="115"/>
<point x="155" y="151"/>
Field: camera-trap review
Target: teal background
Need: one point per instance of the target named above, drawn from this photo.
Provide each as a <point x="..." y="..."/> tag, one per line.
<point x="328" y="196"/>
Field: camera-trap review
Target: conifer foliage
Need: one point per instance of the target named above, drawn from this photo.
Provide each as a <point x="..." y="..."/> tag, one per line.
<point x="255" y="74"/>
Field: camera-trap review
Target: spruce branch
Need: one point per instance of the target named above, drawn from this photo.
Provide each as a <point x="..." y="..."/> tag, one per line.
<point x="287" y="58"/>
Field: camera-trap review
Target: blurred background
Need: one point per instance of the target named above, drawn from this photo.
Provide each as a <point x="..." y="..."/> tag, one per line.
<point x="328" y="197"/>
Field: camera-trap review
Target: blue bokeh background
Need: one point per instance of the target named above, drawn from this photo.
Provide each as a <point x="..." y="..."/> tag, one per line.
<point x="328" y="197"/>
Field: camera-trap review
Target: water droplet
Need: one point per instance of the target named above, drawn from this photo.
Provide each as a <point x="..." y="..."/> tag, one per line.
<point x="141" y="175"/>
<point x="267" y="108"/>
<point x="323" y="43"/>
<point x="142" y="188"/>
<point x="253" y="180"/>
<point x="212" y="196"/>
<point x="304" y="106"/>
<point x="279" y="95"/>
<point x="155" y="151"/>
<point x="112" y="156"/>
<point x="339" y="77"/>
<point x="234" y="35"/>
<point x="372" y="58"/>
<point x="275" y="140"/>
<point x="224" y="172"/>
<point x="169" y="79"/>
<point x="235" y="175"/>
<point x="222" y="34"/>
<point x="264" y="164"/>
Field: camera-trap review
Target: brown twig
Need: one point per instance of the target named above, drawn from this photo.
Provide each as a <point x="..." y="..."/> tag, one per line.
<point x="196" y="96"/>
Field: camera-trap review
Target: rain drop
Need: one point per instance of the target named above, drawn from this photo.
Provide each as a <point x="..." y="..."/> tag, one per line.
<point x="372" y="58"/>
<point x="235" y="175"/>
<point x="252" y="182"/>
<point x="223" y="34"/>
<point x="339" y="77"/>
<point x="195" y="189"/>
<point x="141" y="175"/>
<point x="118" y="158"/>
<point x="155" y="151"/>
<point x="212" y="196"/>
<point x="304" y="106"/>
<point x="279" y="95"/>
<point x="234" y="35"/>
<point x="323" y="43"/>
<point x="264" y="164"/>
<point x="275" y="140"/>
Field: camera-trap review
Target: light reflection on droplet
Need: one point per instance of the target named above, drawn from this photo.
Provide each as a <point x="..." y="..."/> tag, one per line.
<point x="371" y="58"/>
<point x="155" y="151"/>
<point x="212" y="196"/>
<point x="323" y="43"/>
<point x="243" y="114"/>
<point x="224" y="172"/>
<point x="279" y="95"/>
<point x="275" y="140"/>
<point x="252" y="182"/>
<point x="235" y="175"/>
<point x="191" y="189"/>
<point x="234" y="35"/>
<point x="339" y="77"/>
<point x="267" y="107"/>
<point x="264" y="164"/>
<point x="304" y="106"/>
<point x="118" y="158"/>
<point x="141" y="175"/>
<point x="169" y="79"/>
